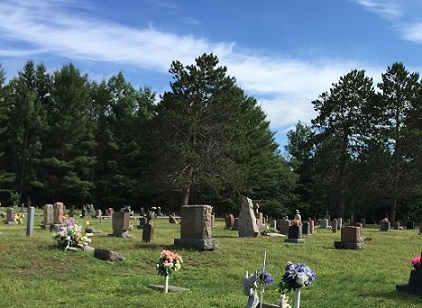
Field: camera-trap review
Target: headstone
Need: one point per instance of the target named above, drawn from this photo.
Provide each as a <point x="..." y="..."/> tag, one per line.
<point x="312" y="223"/>
<point x="306" y="228"/>
<point x="410" y="225"/>
<point x="363" y="221"/>
<point x="48" y="216"/>
<point x="324" y="223"/>
<point x="350" y="238"/>
<point x="58" y="213"/>
<point x="30" y="221"/>
<point x="334" y="225"/>
<point x="195" y="228"/>
<point x="148" y="228"/>
<point x="397" y="225"/>
<point x="247" y="220"/>
<point x="385" y="225"/>
<point x="159" y="211"/>
<point x="283" y="225"/>
<point x="142" y="222"/>
<point x="295" y="234"/>
<point x="339" y="223"/>
<point x="10" y="216"/>
<point x="120" y="223"/>
<point x="229" y="221"/>
<point x="98" y="213"/>
<point x="273" y="224"/>
<point x="212" y="220"/>
<point x="415" y="283"/>
<point x="327" y="216"/>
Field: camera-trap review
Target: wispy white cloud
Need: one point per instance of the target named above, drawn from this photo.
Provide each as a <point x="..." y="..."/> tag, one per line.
<point x="284" y="86"/>
<point x="404" y="15"/>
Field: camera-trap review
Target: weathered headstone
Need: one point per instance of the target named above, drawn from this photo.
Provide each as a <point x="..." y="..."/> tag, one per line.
<point x="195" y="228"/>
<point x="334" y="225"/>
<point x="229" y="221"/>
<point x="121" y="223"/>
<point x="283" y="225"/>
<point x="98" y="213"/>
<point x="324" y="223"/>
<point x="58" y="213"/>
<point x="10" y="216"/>
<point x="295" y="234"/>
<point x="306" y="228"/>
<point x="385" y="225"/>
<point x="273" y="224"/>
<point x="72" y="211"/>
<point x="30" y="221"/>
<point x="247" y="221"/>
<point x="339" y="223"/>
<point x="48" y="216"/>
<point x="312" y="223"/>
<point x="350" y="238"/>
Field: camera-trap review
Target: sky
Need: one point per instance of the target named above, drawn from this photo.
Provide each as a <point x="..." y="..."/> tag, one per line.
<point x="284" y="53"/>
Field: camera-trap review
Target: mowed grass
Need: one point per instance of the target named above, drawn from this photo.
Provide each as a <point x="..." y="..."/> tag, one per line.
<point x="34" y="273"/>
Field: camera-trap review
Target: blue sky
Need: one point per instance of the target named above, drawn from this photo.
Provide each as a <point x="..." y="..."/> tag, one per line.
<point x="284" y="53"/>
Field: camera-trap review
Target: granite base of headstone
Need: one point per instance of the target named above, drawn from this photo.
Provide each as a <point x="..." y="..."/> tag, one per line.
<point x="198" y="244"/>
<point x="415" y="283"/>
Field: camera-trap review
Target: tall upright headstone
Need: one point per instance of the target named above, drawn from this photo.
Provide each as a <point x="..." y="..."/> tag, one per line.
<point x="195" y="228"/>
<point x="48" y="216"/>
<point x="58" y="213"/>
<point x="120" y="224"/>
<point x="247" y="226"/>
<point x="30" y="221"/>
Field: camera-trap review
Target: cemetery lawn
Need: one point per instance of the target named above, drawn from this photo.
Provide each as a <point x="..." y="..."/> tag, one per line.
<point x="35" y="273"/>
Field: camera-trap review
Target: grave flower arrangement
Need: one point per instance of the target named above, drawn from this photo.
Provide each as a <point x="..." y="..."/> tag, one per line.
<point x="416" y="262"/>
<point x="168" y="263"/>
<point x="71" y="235"/>
<point x="296" y="277"/>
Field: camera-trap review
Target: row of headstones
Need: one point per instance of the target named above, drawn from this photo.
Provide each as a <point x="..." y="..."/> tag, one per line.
<point x="386" y="226"/>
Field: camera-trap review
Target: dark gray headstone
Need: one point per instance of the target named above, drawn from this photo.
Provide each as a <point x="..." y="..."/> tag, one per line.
<point x="148" y="233"/>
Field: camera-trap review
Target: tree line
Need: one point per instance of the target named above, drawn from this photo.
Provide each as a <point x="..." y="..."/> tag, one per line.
<point x="363" y="151"/>
<point x="205" y="141"/>
<point x="68" y="138"/>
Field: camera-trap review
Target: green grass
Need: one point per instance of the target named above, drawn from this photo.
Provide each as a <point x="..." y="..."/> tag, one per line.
<point x="34" y="273"/>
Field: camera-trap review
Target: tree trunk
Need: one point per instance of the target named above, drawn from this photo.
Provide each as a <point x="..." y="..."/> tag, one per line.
<point x="393" y="211"/>
<point x="186" y="194"/>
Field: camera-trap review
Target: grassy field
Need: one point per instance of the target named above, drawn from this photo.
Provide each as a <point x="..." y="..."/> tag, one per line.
<point x="34" y="273"/>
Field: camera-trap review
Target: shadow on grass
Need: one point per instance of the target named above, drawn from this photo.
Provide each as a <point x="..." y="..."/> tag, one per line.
<point x="395" y="295"/>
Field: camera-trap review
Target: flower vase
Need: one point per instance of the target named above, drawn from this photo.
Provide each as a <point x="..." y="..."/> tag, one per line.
<point x="296" y="300"/>
<point x="166" y="283"/>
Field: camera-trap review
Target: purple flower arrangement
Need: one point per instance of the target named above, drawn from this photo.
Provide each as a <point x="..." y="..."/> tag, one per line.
<point x="296" y="276"/>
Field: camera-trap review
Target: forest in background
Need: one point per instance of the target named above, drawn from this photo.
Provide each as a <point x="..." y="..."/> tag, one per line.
<point x="68" y="138"/>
